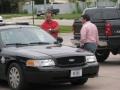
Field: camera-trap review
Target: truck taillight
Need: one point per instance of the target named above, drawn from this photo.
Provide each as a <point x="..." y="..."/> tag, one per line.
<point x="108" y="29"/>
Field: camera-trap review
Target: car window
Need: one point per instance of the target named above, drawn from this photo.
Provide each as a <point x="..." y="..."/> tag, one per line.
<point x="25" y="35"/>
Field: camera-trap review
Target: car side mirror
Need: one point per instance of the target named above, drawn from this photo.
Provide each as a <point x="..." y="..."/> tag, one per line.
<point x="59" y="39"/>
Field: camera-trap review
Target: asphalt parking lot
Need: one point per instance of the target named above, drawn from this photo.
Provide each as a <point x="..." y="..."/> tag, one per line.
<point x="108" y="79"/>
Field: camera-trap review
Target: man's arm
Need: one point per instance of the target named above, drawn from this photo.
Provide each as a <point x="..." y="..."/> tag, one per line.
<point x="97" y="38"/>
<point x="83" y="33"/>
<point x="57" y="27"/>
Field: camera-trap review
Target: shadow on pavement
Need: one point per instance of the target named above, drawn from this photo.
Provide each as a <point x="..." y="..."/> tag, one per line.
<point x="111" y="63"/>
<point x="57" y="87"/>
<point x="4" y="84"/>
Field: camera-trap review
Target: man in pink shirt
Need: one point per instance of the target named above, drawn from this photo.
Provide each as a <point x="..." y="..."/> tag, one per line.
<point x="88" y="35"/>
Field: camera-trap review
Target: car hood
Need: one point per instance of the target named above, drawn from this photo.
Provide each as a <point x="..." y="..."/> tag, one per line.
<point x="45" y="51"/>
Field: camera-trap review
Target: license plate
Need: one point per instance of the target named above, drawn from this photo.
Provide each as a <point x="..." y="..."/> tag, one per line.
<point x="76" y="73"/>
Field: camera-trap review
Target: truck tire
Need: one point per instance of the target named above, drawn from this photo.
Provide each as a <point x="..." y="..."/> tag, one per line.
<point x="102" y="55"/>
<point x="80" y="81"/>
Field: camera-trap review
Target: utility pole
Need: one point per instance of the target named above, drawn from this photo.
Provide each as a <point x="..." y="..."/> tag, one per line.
<point x="33" y="11"/>
<point x="96" y="3"/>
<point x="118" y="1"/>
<point x="45" y="2"/>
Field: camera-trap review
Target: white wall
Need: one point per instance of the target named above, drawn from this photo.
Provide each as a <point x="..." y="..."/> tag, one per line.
<point x="64" y="8"/>
<point x="67" y="7"/>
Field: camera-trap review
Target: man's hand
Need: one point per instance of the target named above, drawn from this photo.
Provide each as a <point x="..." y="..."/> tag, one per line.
<point x="51" y="31"/>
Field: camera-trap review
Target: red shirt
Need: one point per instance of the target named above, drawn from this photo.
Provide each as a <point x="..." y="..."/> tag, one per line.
<point x="51" y="25"/>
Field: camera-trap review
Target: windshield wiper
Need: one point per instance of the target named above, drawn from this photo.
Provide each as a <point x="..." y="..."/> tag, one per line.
<point x="17" y="44"/>
<point x="39" y="43"/>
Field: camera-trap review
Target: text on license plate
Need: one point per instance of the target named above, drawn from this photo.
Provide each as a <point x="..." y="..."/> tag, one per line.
<point x="76" y="73"/>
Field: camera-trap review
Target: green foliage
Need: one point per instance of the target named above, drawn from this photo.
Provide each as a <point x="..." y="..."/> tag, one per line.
<point x="65" y="29"/>
<point x="78" y="7"/>
<point x="73" y="15"/>
<point x="25" y="12"/>
<point x="40" y="1"/>
<point x="114" y="0"/>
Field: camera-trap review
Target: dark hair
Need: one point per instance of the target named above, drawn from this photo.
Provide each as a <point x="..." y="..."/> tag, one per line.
<point x="49" y="12"/>
<point x="86" y="17"/>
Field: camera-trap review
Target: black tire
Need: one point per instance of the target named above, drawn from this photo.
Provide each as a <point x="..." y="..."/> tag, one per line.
<point x="102" y="55"/>
<point x="114" y="51"/>
<point x="80" y="81"/>
<point x="16" y="79"/>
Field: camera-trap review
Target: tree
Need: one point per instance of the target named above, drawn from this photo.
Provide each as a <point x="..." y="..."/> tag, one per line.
<point x="40" y="1"/>
<point x="10" y="6"/>
<point x="114" y="0"/>
<point x="76" y="4"/>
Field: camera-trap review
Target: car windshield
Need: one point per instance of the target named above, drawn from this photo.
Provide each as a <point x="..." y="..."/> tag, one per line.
<point x="26" y="35"/>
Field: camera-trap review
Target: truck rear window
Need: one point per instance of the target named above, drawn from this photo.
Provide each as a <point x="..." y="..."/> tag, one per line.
<point x="101" y="14"/>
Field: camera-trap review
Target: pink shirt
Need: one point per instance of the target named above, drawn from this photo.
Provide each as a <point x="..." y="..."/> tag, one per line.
<point x="89" y="33"/>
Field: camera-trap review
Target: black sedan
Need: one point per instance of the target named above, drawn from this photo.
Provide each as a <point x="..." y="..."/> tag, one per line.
<point x="28" y="54"/>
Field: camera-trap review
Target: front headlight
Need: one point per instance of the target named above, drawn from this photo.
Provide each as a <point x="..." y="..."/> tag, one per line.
<point x="40" y="63"/>
<point x="90" y="59"/>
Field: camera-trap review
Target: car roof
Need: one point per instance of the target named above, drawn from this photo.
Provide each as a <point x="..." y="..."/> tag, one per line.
<point x="95" y="8"/>
<point x="15" y="26"/>
<point x="99" y="8"/>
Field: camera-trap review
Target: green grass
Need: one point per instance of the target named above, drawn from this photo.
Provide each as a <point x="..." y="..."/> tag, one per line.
<point x="64" y="16"/>
<point x="65" y="29"/>
<point x="7" y="16"/>
<point x="59" y="16"/>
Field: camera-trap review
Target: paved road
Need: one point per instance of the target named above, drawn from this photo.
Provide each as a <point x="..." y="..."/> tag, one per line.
<point x="108" y="79"/>
<point x="38" y="21"/>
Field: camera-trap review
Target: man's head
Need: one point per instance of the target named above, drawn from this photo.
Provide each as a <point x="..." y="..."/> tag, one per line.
<point x="85" y="18"/>
<point x="48" y="16"/>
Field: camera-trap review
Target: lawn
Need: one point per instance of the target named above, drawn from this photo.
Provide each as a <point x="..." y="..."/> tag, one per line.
<point x="63" y="16"/>
<point x="65" y="29"/>
<point x="59" y="16"/>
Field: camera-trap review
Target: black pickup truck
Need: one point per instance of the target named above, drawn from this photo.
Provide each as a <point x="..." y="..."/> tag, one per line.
<point x="107" y="21"/>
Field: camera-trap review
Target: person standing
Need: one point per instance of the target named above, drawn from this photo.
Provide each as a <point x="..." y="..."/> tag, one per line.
<point x="50" y="26"/>
<point x="88" y="35"/>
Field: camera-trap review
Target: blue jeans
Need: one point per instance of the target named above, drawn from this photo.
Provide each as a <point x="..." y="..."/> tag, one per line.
<point x="90" y="47"/>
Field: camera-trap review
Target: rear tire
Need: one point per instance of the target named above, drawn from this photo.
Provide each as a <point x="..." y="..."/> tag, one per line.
<point x="102" y="55"/>
<point x="80" y="81"/>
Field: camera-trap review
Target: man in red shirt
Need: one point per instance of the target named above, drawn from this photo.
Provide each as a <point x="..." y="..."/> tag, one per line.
<point x="50" y="25"/>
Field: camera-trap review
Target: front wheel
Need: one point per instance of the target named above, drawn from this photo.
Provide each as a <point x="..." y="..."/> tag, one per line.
<point x="102" y="55"/>
<point x="15" y="77"/>
<point x="80" y="81"/>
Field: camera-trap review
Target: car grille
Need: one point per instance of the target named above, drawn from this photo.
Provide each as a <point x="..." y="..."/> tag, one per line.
<point x="70" y="61"/>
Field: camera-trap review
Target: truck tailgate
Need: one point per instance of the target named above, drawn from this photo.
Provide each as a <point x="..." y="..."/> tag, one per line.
<point x="114" y="40"/>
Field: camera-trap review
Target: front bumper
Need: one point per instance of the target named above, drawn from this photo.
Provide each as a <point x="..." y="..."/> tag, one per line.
<point x="57" y="74"/>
